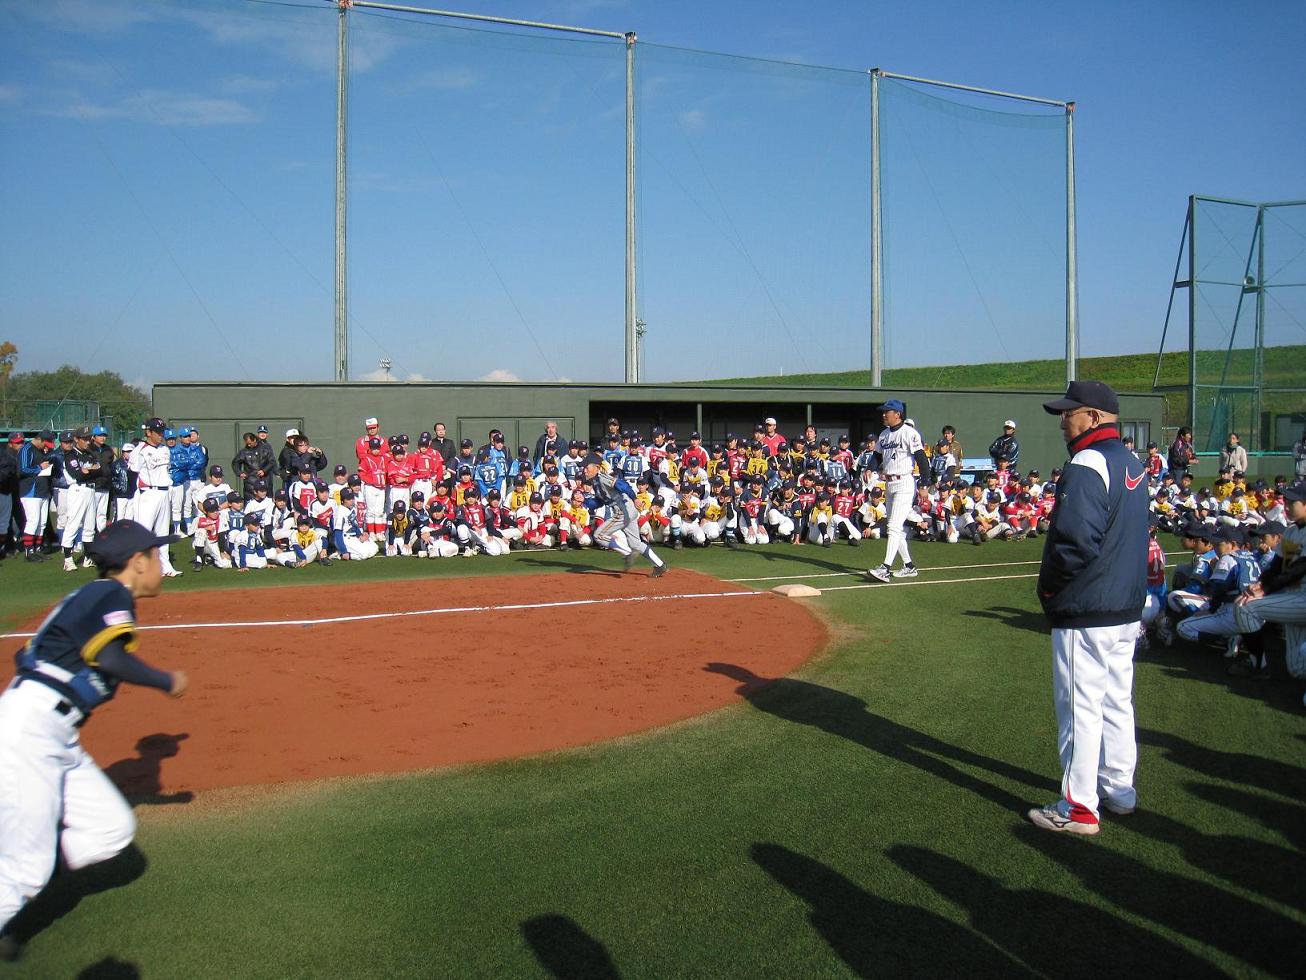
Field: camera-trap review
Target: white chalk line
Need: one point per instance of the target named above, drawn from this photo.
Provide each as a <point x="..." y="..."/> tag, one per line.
<point x="510" y="607"/>
<point x="856" y="573"/>
<point x="942" y="581"/>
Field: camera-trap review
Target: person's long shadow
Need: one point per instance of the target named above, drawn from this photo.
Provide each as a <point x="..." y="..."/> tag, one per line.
<point x="1288" y="819"/>
<point x="110" y="968"/>
<point x="566" y="950"/>
<point x="875" y="936"/>
<point x="1282" y="778"/>
<point x="568" y="566"/>
<point x="1024" y="619"/>
<point x="846" y="716"/>
<point x="141" y="779"/>
<point x="68" y="888"/>
<point x="1022" y="920"/>
<point x="798" y="554"/>
<point x="1268" y="869"/>
<point x="1208" y="914"/>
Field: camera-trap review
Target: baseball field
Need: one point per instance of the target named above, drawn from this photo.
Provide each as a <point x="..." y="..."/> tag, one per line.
<point x="531" y="766"/>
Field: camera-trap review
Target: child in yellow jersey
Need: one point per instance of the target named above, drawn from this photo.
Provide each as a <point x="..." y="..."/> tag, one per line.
<point x="820" y="529"/>
<point x="574" y="524"/>
<point x="520" y="494"/>
<point x="757" y="462"/>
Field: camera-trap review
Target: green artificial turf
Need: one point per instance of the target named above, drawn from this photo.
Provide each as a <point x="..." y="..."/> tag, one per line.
<point x="862" y="817"/>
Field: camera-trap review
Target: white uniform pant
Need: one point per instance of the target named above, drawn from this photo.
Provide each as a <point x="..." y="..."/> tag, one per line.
<point x="181" y="498"/>
<point x="848" y="527"/>
<point x="397" y="493"/>
<point x="1218" y="623"/>
<point x="1092" y="688"/>
<point x="60" y="509"/>
<point x="360" y="549"/>
<point x="817" y="532"/>
<point x="783" y="525"/>
<point x="755" y="533"/>
<point x="900" y="494"/>
<point x="1287" y="607"/>
<point x="424" y="486"/>
<point x="36" y="511"/>
<point x="439" y="548"/>
<point x="482" y="539"/>
<point x="47" y="779"/>
<point x="151" y="510"/>
<point x="620" y="529"/>
<point x="80" y="524"/>
<point x="374" y="501"/>
<point x="694" y="531"/>
<point x="207" y="547"/>
<point x="101" y="513"/>
<point x="1187" y="602"/>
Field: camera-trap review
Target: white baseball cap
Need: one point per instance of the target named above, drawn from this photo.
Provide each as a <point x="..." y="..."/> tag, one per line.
<point x="770" y="421"/>
<point x="368" y="423"/>
<point x="291" y="432"/>
<point x="1009" y="424"/>
<point x="128" y="446"/>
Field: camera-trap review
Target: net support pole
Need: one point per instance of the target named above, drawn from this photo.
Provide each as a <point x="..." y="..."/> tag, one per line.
<point x="877" y="241"/>
<point x="1192" y="313"/>
<point x="1263" y="440"/>
<point x="632" y="338"/>
<point x="341" y="345"/>
<point x="1072" y="286"/>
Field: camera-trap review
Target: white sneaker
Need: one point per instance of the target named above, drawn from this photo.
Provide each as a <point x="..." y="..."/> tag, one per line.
<point x="1232" y="648"/>
<point x="172" y="573"/>
<point x="87" y="563"/>
<point x="907" y="571"/>
<point x="1051" y="818"/>
<point x="881" y="574"/>
<point x="69" y="565"/>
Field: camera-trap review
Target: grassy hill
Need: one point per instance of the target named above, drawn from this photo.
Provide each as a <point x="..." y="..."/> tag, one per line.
<point x="1125" y="372"/>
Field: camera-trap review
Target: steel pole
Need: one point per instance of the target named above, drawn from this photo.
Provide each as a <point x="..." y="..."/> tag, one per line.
<point x="632" y="340"/>
<point x="1258" y="365"/>
<point x="1072" y="285"/>
<point x="1192" y="314"/>
<point x="341" y="346"/>
<point x="877" y="240"/>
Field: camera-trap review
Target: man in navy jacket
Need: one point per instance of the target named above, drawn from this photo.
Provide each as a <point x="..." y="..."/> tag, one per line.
<point x="1092" y="585"/>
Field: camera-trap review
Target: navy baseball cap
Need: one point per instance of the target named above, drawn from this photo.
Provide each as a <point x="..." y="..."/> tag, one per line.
<point x="215" y="471"/>
<point x="342" y="469"/>
<point x="1269" y="527"/>
<point x="593" y="459"/>
<point x="260" y="485"/>
<point x="234" y="497"/>
<point x="262" y="428"/>
<point x="155" y="425"/>
<point x="467" y="444"/>
<point x="119" y="541"/>
<point x="66" y="436"/>
<point x="893" y="405"/>
<point x="47" y="435"/>
<point x="1295" y="491"/>
<point x="1085" y="394"/>
<point x="280" y="495"/>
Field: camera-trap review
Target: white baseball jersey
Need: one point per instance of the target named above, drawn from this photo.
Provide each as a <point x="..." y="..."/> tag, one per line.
<point x="897" y="447"/>
<point x="152" y="466"/>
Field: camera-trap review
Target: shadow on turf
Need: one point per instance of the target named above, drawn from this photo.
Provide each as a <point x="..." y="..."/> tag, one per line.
<point x="68" y="888"/>
<point x="141" y="779"/>
<point x="1205" y="913"/>
<point x="1021" y="921"/>
<point x="566" y="950"/>
<point x="110" y="968"/>
<point x="876" y="937"/>
<point x="1235" y="767"/>
<point x="1023" y="619"/>
<point x="805" y="703"/>
<point x="568" y="566"/>
<point x="1203" y="663"/>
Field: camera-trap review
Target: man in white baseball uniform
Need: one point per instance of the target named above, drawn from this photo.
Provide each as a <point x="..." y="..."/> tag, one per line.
<point x="1092" y="585"/>
<point x="897" y="450"/>
<point x="151" y="465"/>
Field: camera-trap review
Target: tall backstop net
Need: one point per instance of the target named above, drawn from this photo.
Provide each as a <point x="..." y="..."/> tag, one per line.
<point x="486" y="196"/>
<point x="1234" y="342"/>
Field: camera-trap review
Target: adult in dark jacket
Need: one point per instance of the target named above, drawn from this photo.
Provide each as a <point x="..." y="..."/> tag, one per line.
<point x="1092" y="585"/>
<point x="248" y="464"/>
<point x="549" y="444"/>
<point x="1182" y="455"/>
<point x="8" y="489"/>
<point x="443" y="445"/>
<point x="267" y="459"/>
<point x="308" y="455"/>
<point x="1006" y="446"/>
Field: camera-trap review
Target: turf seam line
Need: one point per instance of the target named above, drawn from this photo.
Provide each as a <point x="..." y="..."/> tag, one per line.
<point x="935" y="568"/>
<point x="510" y="607"/>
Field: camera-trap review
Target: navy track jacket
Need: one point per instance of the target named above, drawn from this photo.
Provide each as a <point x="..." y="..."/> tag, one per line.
<point x="1094" y="569"/>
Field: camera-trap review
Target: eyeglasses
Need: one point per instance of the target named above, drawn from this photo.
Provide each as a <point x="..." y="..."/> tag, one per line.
<point x="1068" y="413"/>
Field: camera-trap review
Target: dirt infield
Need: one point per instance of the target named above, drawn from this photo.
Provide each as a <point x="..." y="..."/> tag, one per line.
<point x="273" y="704"/>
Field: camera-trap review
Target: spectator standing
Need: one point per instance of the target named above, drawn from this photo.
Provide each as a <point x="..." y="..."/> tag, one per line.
<point x="1233" y="456"/>
<point x="1181" y="456"/>
<point x="1092" y="585"/>
<point x="306" y="454"/>
<point x="245" y="464"/>
<point x="267" y="459"/>
<point x="549" y="444"/>
<point x="8" y="488"/>
<point x="35" y="470"/>
<point x="948" y="454"/>
<point x="288" y="475"/>
<point x="371" y="430"/>
<point x="771" y="439"/>
<point x="1006" y="446"/>
<point x="1299" y="456"/>
<point x="443" y="445"/>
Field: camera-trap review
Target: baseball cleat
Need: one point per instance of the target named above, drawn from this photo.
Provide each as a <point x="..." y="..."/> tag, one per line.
<point x="1051" y="818"/>
<point x="69" y="565"/>
<point x="628" y="562"/>
<point x="658" y="571"/>
<point x="87" y="563"/>
<point x="907" y="571"/>
<point x="881" y="574"/>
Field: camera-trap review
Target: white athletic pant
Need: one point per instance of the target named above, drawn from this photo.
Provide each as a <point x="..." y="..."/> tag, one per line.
<point x="101" y="513"/>
<point x="849" y="528"/>
<point x="1092" y="688"/>
<point x="440" y="548"/>
<point x="397" y="493"/>
<point x="900" y="500"/>
<point x="360" y="548"/>
<point x="80" y="501"/>
<point x="47" y="779"/>
<point x="487" y="542"/>
<point x="374" y="501"/>
<point x="1287" y="607"/>
<point x="151" y="510"/>
<point x="690" y="531"/>
<point x="1218" y="623"/>
<point x="784" y="526"/>
<point x="620" y="532"/>
<point x="36" y="511"/>
<point x="181" y="498"/>
<point x="60" y="508"/>
<point x="1186" y="602"/>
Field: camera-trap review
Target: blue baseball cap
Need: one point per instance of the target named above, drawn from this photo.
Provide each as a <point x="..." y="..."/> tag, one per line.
<point x="99" y="430"/>
<point x="894" y="405"/>
<point x="169" y="434"/>
<point x="183" y="432"/>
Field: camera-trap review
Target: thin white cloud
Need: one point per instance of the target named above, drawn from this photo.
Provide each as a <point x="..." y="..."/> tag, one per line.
<point x="90" y="73"/>
<point x="501" y="375"/>
<point x="418" y="378"/>
<point x="87" y="16"/>
<point x="248" y="85"/>
<point x="693" y="120"/>
<point x="159" y="107"/>
<point x="378" y="375"/>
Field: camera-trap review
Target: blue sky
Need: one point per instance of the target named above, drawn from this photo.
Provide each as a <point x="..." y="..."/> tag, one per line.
<point x="169" y="167"/>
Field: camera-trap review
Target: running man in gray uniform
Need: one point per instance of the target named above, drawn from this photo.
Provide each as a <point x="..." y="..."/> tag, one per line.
<point x="620" y="529"/>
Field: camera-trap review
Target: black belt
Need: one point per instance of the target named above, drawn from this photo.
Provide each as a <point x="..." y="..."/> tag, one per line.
<point x="61" y="707"/>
